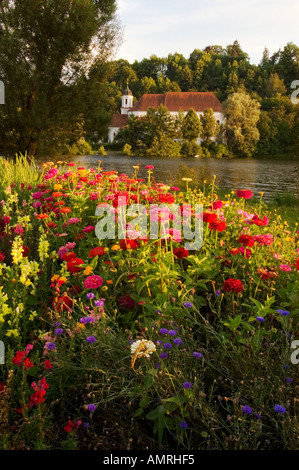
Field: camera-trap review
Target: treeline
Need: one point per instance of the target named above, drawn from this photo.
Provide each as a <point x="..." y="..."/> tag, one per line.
<point x="228" y="73"/>
<point x="61" y="86"/>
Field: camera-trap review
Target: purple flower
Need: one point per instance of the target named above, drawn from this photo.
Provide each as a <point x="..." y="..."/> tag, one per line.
<point x="188" y="304"/>
<point x="289" y="380"/>
<point x="163" y="331"/>
<point x="163" y="355"/>
<point x="172" y="332"/>
<point x="198" y="355"/>
<point x="183" y="424"/>
<point x="218" y="292"/>
<point x="261" y="319"/>
<point x="286" y="366"/>
<point x="91" y="407"/>
<point x="51" y="346"/>
<point x="280" y="409"/>
<point x="86" y="425"/>
<point x="158" y="365"/>
<point x="283" y="312"/>
<point x="177" y="341"/>
<point x="57" y="323"/>
<point x="158" y="342"/>
<point x="90" y="296"/>
<point x="91" y="339"/>
<point x="59" y="331"/>
<point x="187" y="385"/>
<point x="257" y="416"/>
<point x="247" y="410"/>
<point x="167" y="345"/>
<point x="99" y="303"/>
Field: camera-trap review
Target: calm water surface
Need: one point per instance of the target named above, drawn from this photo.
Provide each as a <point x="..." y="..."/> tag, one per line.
<point x="269" y="176"/>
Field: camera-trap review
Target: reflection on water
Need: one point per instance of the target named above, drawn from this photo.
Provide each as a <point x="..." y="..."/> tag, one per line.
<point x="269" y="176"/>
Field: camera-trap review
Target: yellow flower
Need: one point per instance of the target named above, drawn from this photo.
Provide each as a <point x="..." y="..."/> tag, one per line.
<point x="115" y="248"/>
<point x="80" y="326"/>
<point x="88" y="270"/>
<point x="17" y="250"/>
<point x="57" y="187"/>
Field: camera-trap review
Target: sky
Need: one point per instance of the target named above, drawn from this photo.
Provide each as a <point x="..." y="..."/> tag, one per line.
<point x="162" y="27"/>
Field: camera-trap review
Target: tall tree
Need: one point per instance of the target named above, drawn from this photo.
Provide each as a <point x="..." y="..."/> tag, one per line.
<point x="191" y="127"/>
<point x="210" y="127"/>
<point x="46" y="48"/>
<point x="242" y="114"/>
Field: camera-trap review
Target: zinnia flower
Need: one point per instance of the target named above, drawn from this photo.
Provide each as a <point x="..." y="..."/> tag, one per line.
<point x="244" y="193"/>
<point x="233" y="285"/>
<point x="93" y="282"/>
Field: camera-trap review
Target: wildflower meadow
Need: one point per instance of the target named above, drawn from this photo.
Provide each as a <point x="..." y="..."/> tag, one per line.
<point x="139" y="343"/>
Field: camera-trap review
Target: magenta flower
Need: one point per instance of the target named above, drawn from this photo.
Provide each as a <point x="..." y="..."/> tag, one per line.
<point x="93" y="282"/>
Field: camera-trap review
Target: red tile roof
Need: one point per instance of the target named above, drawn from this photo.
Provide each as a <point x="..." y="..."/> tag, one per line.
<point x="119" y="120"/>
<point x="174" y="101"/>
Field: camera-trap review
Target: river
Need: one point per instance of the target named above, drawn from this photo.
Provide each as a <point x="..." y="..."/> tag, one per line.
<point x="269" y="176"/>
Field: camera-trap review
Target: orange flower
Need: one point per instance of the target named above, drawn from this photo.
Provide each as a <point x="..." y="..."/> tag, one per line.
<point x="65" y="210"/>
<point x="42" y="216"/>
<point x="88" y="271"/>
<point x="57" y="194"/>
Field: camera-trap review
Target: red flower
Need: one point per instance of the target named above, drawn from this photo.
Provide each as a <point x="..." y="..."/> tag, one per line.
<point x="2" y="387"/>
<point x="28" y="363"/>
<point x="37" y="397"/>
<point x="209" y="217"/>
<point x="181" y="252"/>
<point x="2" y="257"/>
<point x="47" y="364"/>
<point x="246" y="240"/>
<point x="17" y="360"/>
<point x="245" y="193"/>
<point x="98" y="251"/>
<point x="126" y="302"/>
<point x="297" y="264"/>
<point x="74" y="265"/>
<point x="69" y="426"/>
<point x="68" y="256"/>
<point x="167" y="198"/>
<point x="63" y="303"/>
<point x="218" y="225"/>
<point x="233" y="285"/>
<point x="234" y="251"/>
<point x="128" y="244"/>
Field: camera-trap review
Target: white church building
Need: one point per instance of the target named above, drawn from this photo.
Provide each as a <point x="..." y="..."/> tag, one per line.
<point x="173" y="101"/>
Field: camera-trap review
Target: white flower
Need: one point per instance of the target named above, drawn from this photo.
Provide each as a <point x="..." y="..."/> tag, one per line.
<point x="142" y="348"/>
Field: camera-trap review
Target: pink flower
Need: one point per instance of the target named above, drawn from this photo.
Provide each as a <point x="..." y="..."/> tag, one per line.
<point x="93" y="282"/>
<point x="266" y="239"/>
<point x="89" y="228"/>
<point x="149" y="167"/>
<point x="285" y="267"/>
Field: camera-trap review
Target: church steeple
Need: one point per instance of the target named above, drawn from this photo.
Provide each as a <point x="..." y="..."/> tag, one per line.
<point x="127" y="100"/>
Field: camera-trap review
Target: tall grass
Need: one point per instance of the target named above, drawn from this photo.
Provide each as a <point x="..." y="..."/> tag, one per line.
<point x="19" y="170"/>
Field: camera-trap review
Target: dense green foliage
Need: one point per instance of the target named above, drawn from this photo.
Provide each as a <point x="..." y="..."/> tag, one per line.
<point x="226" y="71"/>
<point x="52" y="62"/>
